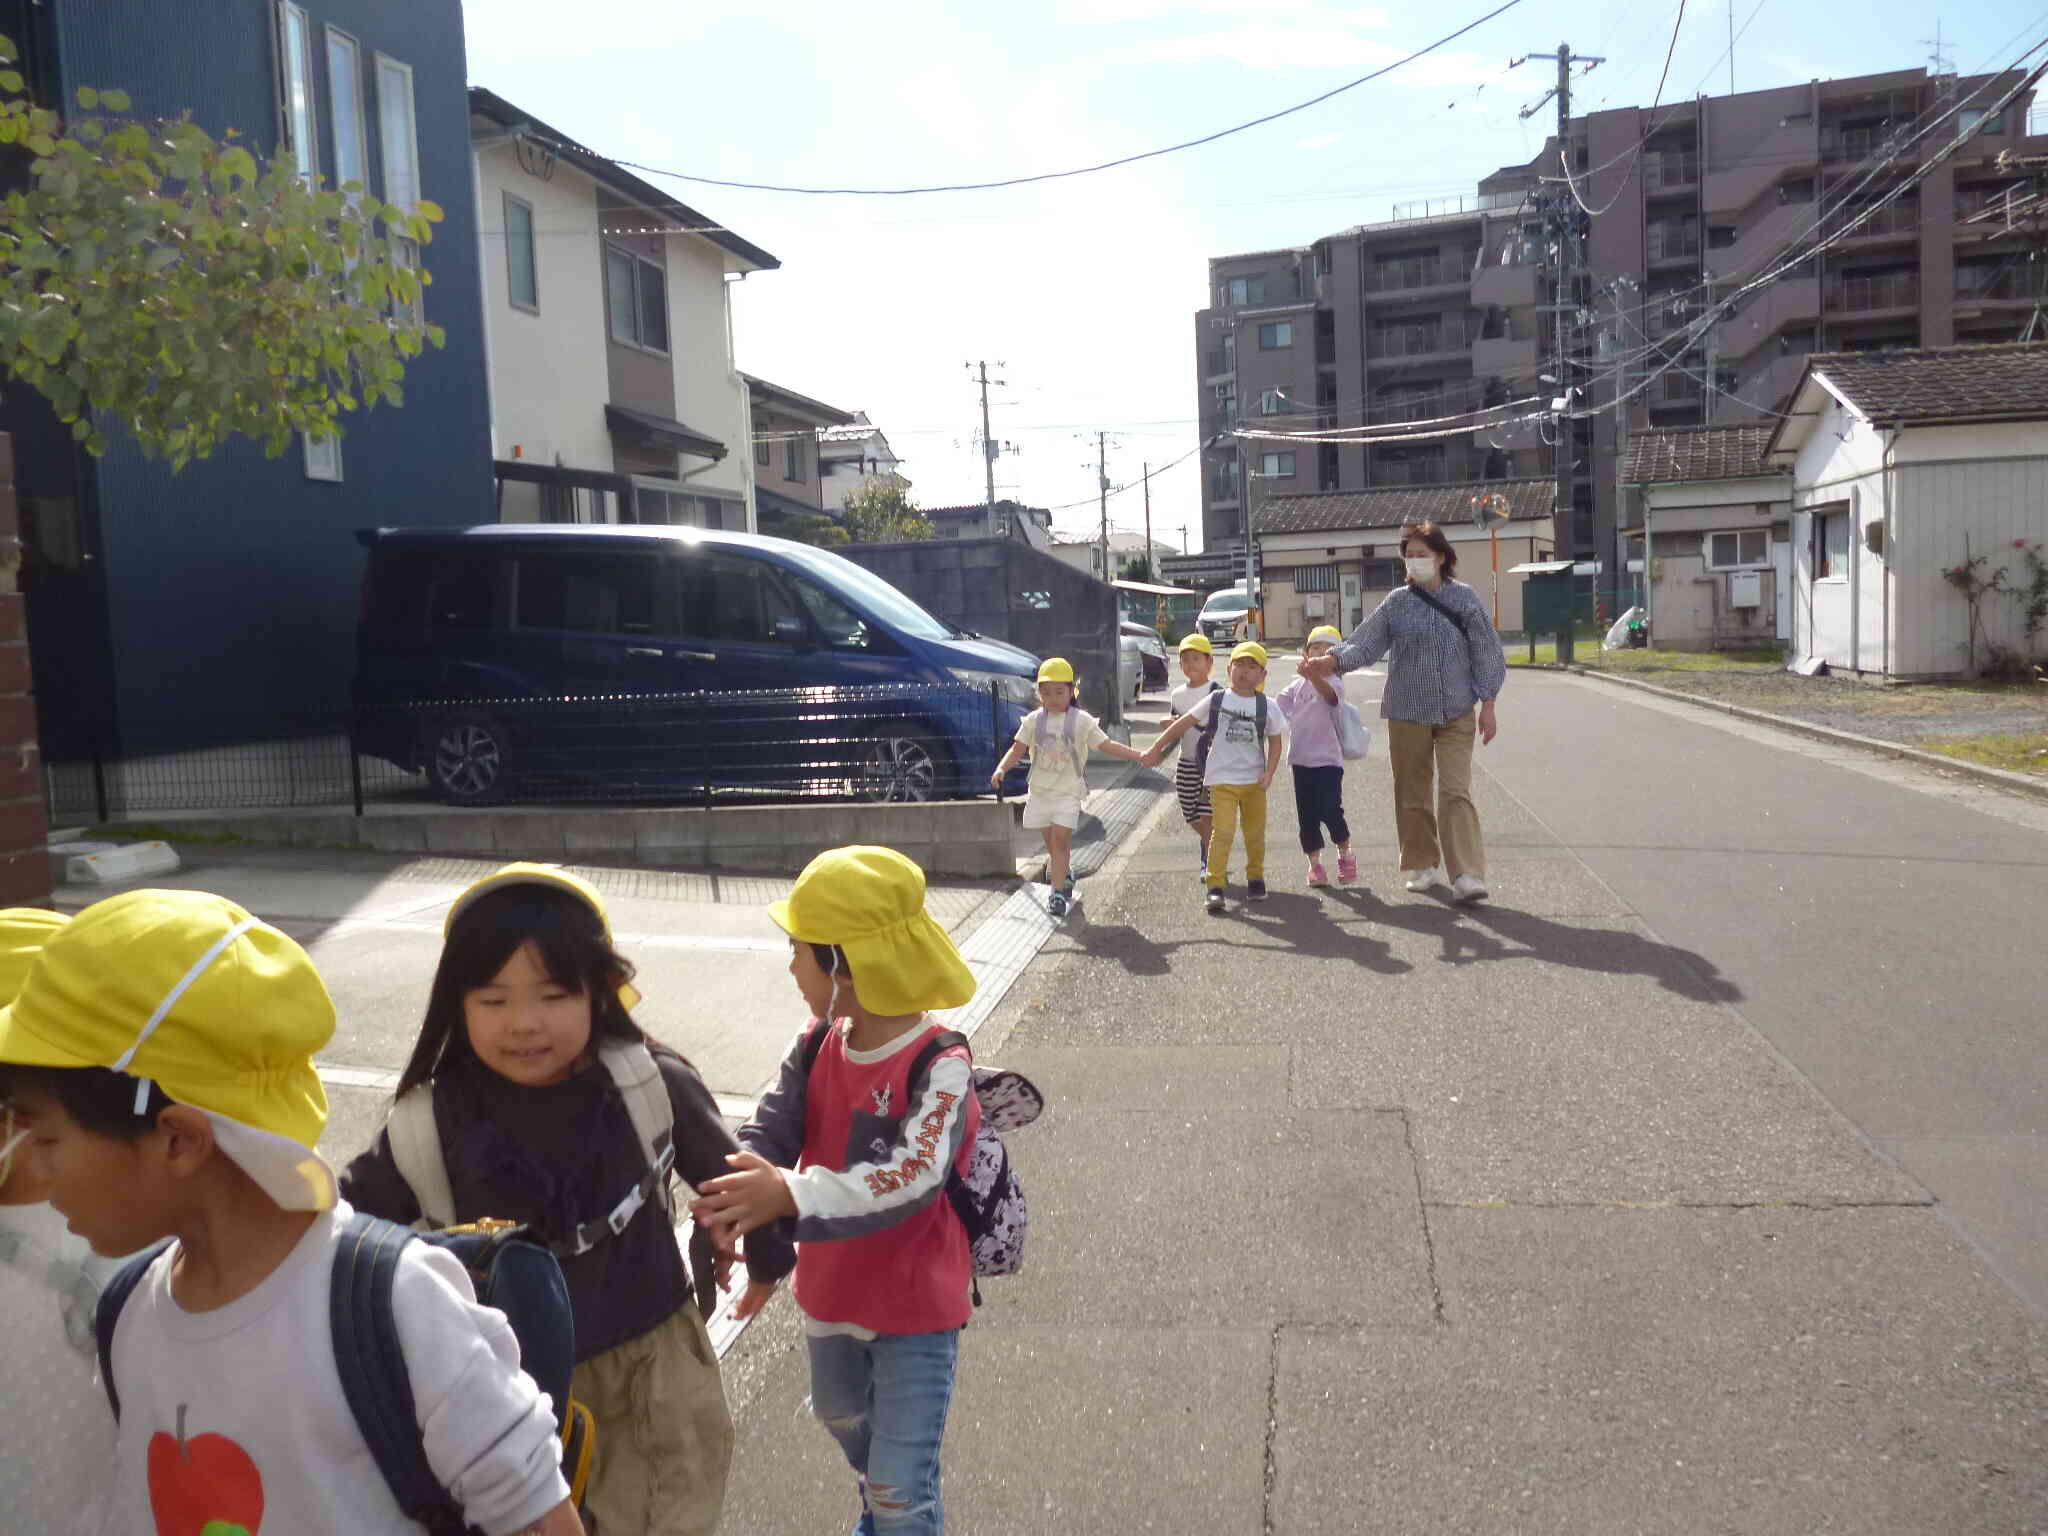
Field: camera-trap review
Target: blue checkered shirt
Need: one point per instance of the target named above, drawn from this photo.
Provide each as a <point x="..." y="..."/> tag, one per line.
<point x="1433" y="676"/>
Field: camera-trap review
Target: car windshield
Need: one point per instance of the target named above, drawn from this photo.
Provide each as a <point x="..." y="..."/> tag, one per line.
<point x="876" y="595"/>
<point x="1227" y="602"/>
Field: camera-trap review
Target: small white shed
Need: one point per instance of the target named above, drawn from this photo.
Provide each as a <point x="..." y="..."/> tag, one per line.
<point x="1716" y="523"/>
<point x="1904" y="465"/>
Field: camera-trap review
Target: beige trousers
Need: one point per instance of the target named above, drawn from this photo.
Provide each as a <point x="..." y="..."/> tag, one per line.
<point x="1441" y="755"/>
<point x="664" y="1438"/>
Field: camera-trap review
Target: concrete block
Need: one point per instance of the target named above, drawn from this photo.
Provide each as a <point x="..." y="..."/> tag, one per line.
<point x="327" y="829"/>
<point x="666" y="832"/>
<point x="752" y="858"/>
<point x="676" y="856"/>
<point x="121" y="865"/>
<point x="747" y="826"/>
<point x="590" y="833"/>
<point x="393" y="834"/>
<point x="64" y="850"/>
<point x="460" y="832"/>
<point x="527" y="834"/>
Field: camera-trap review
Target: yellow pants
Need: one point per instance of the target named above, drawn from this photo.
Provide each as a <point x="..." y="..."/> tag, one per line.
<point x="1230" y="803"/>
<point x="664" y="1437"/>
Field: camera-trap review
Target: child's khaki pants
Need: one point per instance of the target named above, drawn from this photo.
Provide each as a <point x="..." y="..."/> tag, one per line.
<point x="664" y="1438"/>
<point x="1230" y="803"/>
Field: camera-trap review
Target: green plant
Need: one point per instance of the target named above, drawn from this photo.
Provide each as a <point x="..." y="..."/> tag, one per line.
<point x="152" y="272"/>
<point x="880" y="513"/>
<point x="2032" y="594"/>
<point x="1970" y="579"/>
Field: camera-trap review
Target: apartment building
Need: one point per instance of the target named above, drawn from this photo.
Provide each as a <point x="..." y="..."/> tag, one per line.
<point x="1451" y="306"/>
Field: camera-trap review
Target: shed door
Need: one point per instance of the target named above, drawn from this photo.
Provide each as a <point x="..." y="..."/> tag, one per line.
<point x="1781" y="586"/>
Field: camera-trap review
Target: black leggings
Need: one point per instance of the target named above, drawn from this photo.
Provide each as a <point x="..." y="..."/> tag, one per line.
<point x="1319" y="802"/>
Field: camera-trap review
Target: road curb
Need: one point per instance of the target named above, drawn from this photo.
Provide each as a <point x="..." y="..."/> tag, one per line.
<point x="2019" y="783"/>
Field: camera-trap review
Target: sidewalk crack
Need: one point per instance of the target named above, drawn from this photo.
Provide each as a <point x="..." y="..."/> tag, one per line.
<point x="1422" y="1206"/>
<point x="1272" y="1428"/>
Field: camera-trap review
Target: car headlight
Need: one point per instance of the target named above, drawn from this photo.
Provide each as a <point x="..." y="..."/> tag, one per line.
<point x="1008" y="685"/>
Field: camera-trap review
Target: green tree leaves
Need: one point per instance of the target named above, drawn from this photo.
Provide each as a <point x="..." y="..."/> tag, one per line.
<point x="154" y="273"/>
<point x="881" y="513"/>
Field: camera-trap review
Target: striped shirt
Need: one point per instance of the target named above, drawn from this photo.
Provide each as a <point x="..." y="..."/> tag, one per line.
<point x="1434" y="675"/>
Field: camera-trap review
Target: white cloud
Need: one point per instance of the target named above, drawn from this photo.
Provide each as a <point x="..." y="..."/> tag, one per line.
<point x="1321" y="48"/>
<point x="1318" y="141"/>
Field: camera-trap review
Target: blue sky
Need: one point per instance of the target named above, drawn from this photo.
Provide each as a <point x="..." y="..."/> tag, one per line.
<point x="1085" y="289"/>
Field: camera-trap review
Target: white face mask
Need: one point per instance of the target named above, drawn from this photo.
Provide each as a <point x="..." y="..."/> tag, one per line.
<point x="1421" y="567"/>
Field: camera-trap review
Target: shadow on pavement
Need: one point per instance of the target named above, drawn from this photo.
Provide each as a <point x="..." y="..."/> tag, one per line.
<point x="1477" y="933"/>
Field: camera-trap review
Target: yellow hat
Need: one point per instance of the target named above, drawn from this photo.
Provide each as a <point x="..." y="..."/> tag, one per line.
<point x="556" y="878"/>
<point x="1248" y="650"/>
<point x="1323" y="632"/>
<point x="870" y="903"/>
<point x="1198" y="643"/>
<point x="191" y="992"/>
<point x="1054" y="669"/>
<point x="23" y="933"/>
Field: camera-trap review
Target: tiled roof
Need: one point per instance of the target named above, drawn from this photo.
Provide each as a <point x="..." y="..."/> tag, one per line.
<point x="1394" y="506"/>
<point x="2004" y="382"/>
<point x="1667" y="455"/>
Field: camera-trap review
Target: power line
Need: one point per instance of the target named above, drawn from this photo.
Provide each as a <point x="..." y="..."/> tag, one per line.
<point x="1084" y="170"/>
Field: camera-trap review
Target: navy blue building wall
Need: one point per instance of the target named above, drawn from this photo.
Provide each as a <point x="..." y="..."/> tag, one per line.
<point x="230" y="589"/>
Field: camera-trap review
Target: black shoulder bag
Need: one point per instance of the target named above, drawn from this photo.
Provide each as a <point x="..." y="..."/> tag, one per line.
<point x="1456" y="623"/>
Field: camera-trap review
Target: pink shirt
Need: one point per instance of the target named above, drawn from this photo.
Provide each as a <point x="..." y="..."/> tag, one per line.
<point x="1312" y="740"/>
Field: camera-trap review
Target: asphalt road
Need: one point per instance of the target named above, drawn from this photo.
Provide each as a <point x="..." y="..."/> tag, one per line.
<point x="1693" y="1184"/>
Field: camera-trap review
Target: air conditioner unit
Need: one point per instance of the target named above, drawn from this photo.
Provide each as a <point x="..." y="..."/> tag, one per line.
<point x="1313" y="605"/>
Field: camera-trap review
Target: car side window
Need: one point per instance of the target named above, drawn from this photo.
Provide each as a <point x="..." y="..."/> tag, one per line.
<point x="732" y="598"/>
<point x="463" y="592"/>
<point x="591" y="594"/>
<point x="841" y="627"/>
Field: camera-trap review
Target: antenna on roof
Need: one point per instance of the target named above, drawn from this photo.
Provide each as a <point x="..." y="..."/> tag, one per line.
<point x="1943" y="66"/>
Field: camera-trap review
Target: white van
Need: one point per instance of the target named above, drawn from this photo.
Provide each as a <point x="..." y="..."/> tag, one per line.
<point x="1221" y="612"/>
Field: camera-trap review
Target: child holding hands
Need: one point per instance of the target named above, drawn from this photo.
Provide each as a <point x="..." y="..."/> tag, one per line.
<point x="1315" y="751"/>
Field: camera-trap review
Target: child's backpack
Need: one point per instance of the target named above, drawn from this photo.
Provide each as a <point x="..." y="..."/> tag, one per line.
<point x="518" y="1277"/>
<point x="989" y="1200"/>
<point x="1208" y="734"/>
<point x="1066" y="737"/>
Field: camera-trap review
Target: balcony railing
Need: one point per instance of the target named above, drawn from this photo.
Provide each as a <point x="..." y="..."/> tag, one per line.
<point x="1413" y="408"/>
<point x="1438" y="207"/>
<point x="1893" y="290"/>
<point x="1413" y="272"/>
<point x="1430" y="471"/>
<point x="1853" y="143"/>
<point x="1677" y="389"/>
<point x="2000" y="283"/>
<point x="1216" y="361"/>
<point x="1670" y="241"/>
<point x="1900" y="218"/>
<point x="1418" y="340"/>
<point x="1673" y="168"/>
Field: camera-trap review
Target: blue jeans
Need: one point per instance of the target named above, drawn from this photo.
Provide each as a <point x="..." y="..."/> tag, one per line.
<point x="885" y="1400"/>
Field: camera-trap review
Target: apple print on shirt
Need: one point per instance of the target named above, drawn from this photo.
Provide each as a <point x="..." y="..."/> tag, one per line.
<point x="203" y="1486"/>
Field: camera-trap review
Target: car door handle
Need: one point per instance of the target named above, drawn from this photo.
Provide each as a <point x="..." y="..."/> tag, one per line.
<point x="698" y="655"/>
<point x="643" y="650"/>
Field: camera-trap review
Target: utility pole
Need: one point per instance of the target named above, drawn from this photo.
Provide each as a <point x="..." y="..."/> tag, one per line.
<point x="1148" y="520"/>
<point x="1102" y="497"/>
<point x="988" y="453"/>
<point x="1622" y="407"/>
<point x="1183" y="538"/>
<point x="1713" y="354"/>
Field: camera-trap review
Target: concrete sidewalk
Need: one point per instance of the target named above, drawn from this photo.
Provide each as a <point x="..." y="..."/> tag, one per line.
<point x="1354" y="1211"/>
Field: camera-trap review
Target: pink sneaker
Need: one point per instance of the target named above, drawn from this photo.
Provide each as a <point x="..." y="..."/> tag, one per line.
<point x="1316" y="876"/>
<point x="1347" y="869"/>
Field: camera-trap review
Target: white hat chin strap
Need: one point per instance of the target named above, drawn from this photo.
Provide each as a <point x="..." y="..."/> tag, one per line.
<point x="120" y="1064"/>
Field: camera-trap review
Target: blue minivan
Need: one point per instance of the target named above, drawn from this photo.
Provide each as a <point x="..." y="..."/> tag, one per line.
<point x="516" y="656"/>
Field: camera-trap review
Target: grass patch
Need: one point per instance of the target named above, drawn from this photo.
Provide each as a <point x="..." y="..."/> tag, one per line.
<point x="1587" y="653"/>
<point x="2015" y="751"/>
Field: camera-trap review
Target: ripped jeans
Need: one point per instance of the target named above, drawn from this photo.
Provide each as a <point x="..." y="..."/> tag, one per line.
<point x="885" y="1400"/>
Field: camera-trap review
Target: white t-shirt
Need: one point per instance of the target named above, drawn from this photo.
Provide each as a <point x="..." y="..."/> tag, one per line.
<point x="59" y="1434"/>
<point x="1237" y="755"/>
<point x="1059" y="767"/>
<point x="1183" y="699"/>
<point x="237" y="1414"/>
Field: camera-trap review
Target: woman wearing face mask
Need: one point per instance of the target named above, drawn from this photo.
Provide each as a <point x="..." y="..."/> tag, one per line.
<point x="1443" y="657"/>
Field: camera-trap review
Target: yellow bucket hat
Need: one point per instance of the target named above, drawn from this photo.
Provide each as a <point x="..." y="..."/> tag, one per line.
<point x="191" y="992"/>
<point x="870" y="903"/>
<point x="1248" y="650"/>
<point x="1324" y="632"/>
<point x="556" y="878"/>
<point x="1198" y="643"/>
<point x="1054" y="669"/>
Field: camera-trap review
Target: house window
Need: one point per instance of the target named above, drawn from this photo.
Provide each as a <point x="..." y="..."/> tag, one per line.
<point x="398" y="133"/>
<point x="1273" y="336"/>
<point x="1245" y="290"/>
<point x="636" y="297"/>
<point x="323" y="457"/>
<point x="760" y="453"/>
<point x="1831" y="546"/>
<point x="1738" y="549"/>
<point x="793" y="458"/>
<point x="1272" y="402"/>
<point x="1315" y="578"/>
<point x="298" y="117"/>
<point x="345" y="97"/>
<point x="522" y="276"/>
<point x="1275" y="466"/>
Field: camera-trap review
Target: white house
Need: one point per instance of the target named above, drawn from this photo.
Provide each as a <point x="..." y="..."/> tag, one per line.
<point x="1906" y="465"/>
<point x="608" y="335"/>
<point x="852" y="455"/>
<point x="1086" y="554"/>
<point x="1717" y="522"/>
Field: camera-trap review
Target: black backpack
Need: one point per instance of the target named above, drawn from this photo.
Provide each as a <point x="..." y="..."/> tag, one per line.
<point x="510" y="1272"/>
<point x="1208" y="732"/>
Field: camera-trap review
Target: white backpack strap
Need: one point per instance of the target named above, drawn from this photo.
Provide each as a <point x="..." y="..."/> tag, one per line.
<point x="416" y="1149"/>
<point x="638" y="1077"/>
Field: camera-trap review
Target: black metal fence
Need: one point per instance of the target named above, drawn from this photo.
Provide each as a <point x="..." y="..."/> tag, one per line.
<point x="886" y="741"/>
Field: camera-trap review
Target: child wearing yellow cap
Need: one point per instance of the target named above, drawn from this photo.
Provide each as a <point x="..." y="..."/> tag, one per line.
<point x="1243" y="735"/>
<point x="1059" y="735"/>
<point x="511" y="1071"/>
<point x="857" y="1153"/>
<point x="1315" y="752"/>
<point x="161" y="1053"/>
<point x="53" y="1460"/>
<point x="1197" y="663"/>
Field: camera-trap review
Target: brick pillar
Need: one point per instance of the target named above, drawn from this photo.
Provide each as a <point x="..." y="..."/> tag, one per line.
<point x="24" y="827"/>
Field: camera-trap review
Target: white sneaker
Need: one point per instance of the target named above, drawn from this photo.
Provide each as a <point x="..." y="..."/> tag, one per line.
<point x="1422" y="879"/>
<point x="1467" y="889"/>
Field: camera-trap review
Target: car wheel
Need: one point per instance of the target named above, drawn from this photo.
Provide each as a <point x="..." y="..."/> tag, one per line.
<point x="469" y="759"/>
<point x="904" y="765"/>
